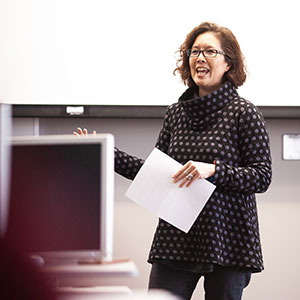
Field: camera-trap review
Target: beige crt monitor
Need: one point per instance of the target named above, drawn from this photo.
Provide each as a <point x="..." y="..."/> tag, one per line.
<point x="62" y="196"/>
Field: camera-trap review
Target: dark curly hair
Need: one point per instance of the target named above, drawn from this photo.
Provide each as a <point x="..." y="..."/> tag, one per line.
<point x="234" y="57"/>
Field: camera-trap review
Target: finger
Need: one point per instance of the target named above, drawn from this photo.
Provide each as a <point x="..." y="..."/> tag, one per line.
<point x="85" y="132"/>
<point x="79" y="131"/>
<point x="185" y="174"/>
<point x="183" y="183"/>
<point x="190" y="179"/>
<point x="183" y="170"/>
<point x="75" y="133"/>
<point x="180" y="175"/>
<point x="190" y="182"/>
<point x="94" y="132"/>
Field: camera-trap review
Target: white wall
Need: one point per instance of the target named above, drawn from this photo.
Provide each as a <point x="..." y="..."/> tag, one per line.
<point x="279" y="208"/>
<point x="80" y="51"/>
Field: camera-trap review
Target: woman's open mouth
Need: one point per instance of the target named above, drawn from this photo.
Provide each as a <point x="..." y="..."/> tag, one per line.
<point x="201" y="71"/>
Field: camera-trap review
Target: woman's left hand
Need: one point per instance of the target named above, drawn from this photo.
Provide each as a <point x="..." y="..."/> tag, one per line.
<point x="192" y="171"/>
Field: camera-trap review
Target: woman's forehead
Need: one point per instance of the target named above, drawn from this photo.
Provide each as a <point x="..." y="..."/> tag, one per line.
<point x="207" y="39"/>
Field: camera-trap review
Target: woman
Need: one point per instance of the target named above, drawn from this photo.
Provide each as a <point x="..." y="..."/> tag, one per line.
<point x="221" y="137"/>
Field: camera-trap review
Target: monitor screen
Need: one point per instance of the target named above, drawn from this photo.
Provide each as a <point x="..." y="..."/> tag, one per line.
<point x="61" y="196"/>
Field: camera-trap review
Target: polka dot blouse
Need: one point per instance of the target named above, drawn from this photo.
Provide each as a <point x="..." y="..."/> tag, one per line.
<point x="224" y="128"/>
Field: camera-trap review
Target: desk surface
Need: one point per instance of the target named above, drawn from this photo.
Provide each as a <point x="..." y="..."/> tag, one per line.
<point x="127" y="268"/>
<point x="92" y="293"/>
<point x="112" y="293"/>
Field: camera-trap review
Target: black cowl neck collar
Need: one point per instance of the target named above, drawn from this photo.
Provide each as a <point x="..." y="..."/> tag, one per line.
<point x="204" y="111"/>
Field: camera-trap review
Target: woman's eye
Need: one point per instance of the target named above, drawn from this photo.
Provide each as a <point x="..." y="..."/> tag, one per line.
<point x="210" y="51"/>
<point x="195" y="52"/>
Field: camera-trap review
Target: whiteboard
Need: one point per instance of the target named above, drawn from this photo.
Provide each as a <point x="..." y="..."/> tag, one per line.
<point x="96" y="52"/>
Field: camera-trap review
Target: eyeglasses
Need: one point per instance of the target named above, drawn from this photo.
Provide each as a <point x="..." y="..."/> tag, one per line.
<point x="208" y="53"/>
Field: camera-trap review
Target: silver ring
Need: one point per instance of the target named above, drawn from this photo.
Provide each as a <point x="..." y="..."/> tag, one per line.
<point x="189" y="177"/>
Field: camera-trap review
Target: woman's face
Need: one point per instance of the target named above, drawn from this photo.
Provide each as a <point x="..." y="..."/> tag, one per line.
<point x="207" y="73"/>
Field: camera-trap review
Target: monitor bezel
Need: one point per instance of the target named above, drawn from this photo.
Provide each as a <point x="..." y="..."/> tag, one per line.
<point x="106" y="141"/>
<point x="5" y="152"/>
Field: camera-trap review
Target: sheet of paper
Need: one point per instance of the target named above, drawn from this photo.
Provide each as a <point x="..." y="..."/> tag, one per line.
<point x="153" y="188"/>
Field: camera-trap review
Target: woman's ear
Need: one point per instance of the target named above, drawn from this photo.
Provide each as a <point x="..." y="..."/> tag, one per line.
<point x="228" y="67"/>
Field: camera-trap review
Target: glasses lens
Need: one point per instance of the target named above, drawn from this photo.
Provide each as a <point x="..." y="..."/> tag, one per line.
<point x="193" y="52"/>
<point x="206" y="53"/>
<point x="210" y="52"/>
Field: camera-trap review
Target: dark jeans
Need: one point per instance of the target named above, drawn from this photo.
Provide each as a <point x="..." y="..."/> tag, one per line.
<point x="224" y="283"/>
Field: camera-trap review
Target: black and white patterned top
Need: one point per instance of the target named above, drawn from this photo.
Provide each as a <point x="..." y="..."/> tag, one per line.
<point x="226" y="129"/>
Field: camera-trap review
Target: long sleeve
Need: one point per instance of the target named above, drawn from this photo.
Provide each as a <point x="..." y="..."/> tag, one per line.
<point x="254" y="173"/>
<point x="163" y="140"/>
<point x="127" y="165"/>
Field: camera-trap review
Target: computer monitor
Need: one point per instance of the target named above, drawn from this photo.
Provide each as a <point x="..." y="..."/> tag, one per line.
<point x="5" y="135"/>
<point x="61" y="198"/>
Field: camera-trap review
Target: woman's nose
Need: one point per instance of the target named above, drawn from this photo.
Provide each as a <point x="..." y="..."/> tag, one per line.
<point x="201" y="57"/>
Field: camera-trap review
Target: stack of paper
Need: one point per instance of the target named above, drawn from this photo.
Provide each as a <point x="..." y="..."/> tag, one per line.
<point x="153" y="188"/>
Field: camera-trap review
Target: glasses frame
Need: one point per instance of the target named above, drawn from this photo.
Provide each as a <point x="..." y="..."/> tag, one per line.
<point x="189" y="51"/>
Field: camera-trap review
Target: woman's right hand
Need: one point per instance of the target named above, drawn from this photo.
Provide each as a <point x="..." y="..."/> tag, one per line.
<point x="82" y="132"/>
